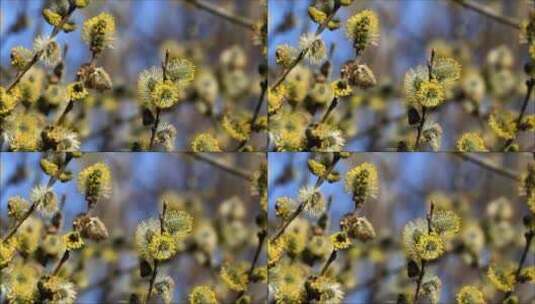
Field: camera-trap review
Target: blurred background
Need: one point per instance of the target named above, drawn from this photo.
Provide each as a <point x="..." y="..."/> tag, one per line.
<point x="145" y="29"/>
<point x="140" y="182"/>
<point x="407" y="183"/>
<point x="408" y="30"/>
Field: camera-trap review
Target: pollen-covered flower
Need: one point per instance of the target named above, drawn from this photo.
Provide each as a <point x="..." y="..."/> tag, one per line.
<point x="161" y="246"/>
<point x="45" y="200"/>
<point x="317" y="15"/>
<point x="53" y="245"/>
<point x="165" y="94"/>
<point x="527" y="34"/>
<point x="445" y="223"/>
<point x="471" y="142"/>
<point x="470" y="295"/>
<point x="48" y="49"/>
<point x="324" y="290"/>
<point x="234" y="276"/>
<point x="502" y="123"/>
<point x="237" y="126"/>
<point x="7" y="251"/>
<point x="8" y="100"/>
<point x="275" y="250"/>
<point x="73" y="240"/>
<point x="20" y="57"/>
<point x="17" y="207"/>
<point x="146" y="83"/>
<point x="202" y="295"/>
<point x="313" y="46"/>
<point x="446" y="71"/>
<point x="362" y="182"/>
<point x="178" y="223"/>
<point x="24" y="131"/>
<point x="341" y="88"/>
<point x="20" y="282"/>
<point x="285" y="55"/>
<point x="205" y="142"/>
<point x="95" y="182"/>
<point x="52" y="17"/>
<point x="287" y="282"/>
<point x="313" y="200"/>
<point x="55" y="289"/>
<point x="180" y="71"/>
<point x="502" y="278"/>
<point x="340" y="240"/>
<point x="76" y="91"/>
<point x="527" y="187"/>
<point x="430" y="94"/>
<point x="357" y="227"/>
<point x="363" y="29"/>
<point x="99" y="32"/>
<point x="429" y="246"/>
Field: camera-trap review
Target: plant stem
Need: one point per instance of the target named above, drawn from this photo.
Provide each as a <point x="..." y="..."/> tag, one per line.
<point x="331" y="107"/>
<point x="256" y="113"/>
<point x="301" y="55"/>
<point x="225" y="167"/>
<point x="330" y="260"/>
<point x="429" y="219"/>
<point x="158" y="110"/>
<point x="487" y="165"/>
<point x="261" y="237"/>
<point x="488" y="12"/>
<point x="301" y="207"/>
<point x="530" y="84"/>
<point x="35" y="58"/>
<point x="217" y="11"/>
<point x="152" y="279"/>
<point x="64" y="259"/>
<point x="51" y="181"/>
<point x="529" y="237"/>
<point x="420" y="129"/>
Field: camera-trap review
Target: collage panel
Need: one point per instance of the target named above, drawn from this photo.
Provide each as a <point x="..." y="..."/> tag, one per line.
<point x="410" y="75"/>
<point x="401" y="228"/>
<point x="135" y="75"/>
<point x="133" y="228"/>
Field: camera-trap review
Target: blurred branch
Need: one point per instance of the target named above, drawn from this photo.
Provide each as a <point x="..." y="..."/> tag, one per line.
<point x="486" y="11"/>
<point x="529" y="237"/>
<point x="225" y="167"/>
<point x="217" y="11"/>
<point x="488" y="165"/>
<point x="256" y="114"/>
<point x="530" y="84"/>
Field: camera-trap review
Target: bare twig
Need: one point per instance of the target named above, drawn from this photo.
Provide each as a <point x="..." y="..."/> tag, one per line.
<point x="158" y="111"/>
<point x="220" y="165"/>
<point x="256" y="114"/>
<point x="530" y="84"/>
<point x="488" y="12"/>
<point x="529" y="237"/>
<point x="217" y="11"/>
<point x="488" y="165"/>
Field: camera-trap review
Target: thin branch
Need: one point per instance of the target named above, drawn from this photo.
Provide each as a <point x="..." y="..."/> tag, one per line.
<point x="429" y="218"/>
<point x="220" y="165"/>
<point x="261" y="237"/>
<point x="158" y="111"/>
<point x="36" y="56"/>
<point x="301" y="207"/>
<point x="51" y="181"/>
<point x="530" y="84"/>
<point x="301" y="55"/>
<point x="529" y="237"/>
<point x="488" y="12"/>
<point x="256" y="114"/>
<point x="488" y="165"/>
<point x="219" y="12"/>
